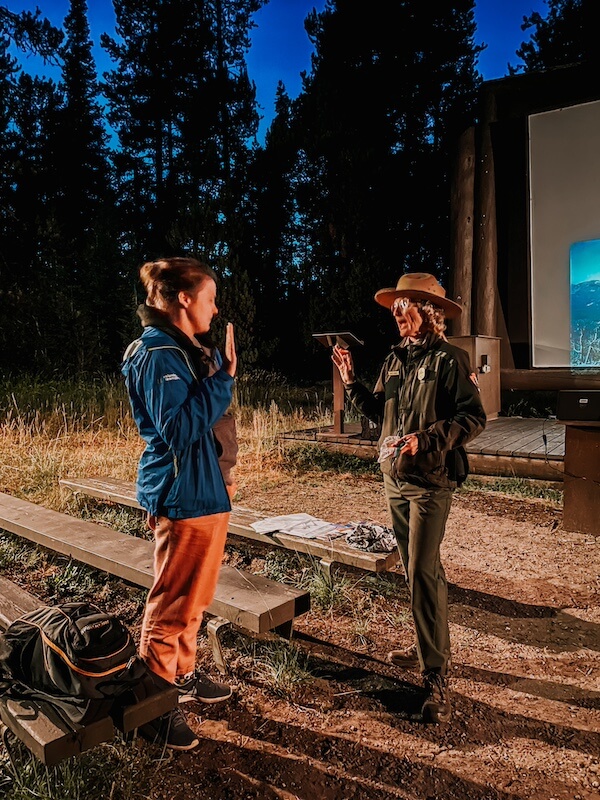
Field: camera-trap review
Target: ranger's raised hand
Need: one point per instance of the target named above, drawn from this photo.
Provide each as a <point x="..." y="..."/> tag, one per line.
<point x="343" y="361"/>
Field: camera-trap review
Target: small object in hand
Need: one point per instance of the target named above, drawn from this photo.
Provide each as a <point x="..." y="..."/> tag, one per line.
<point x="390" y="448"/>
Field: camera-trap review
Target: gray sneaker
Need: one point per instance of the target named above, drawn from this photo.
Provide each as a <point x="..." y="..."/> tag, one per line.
<point x="171" y="731"/>
<point x="200" y="687"/>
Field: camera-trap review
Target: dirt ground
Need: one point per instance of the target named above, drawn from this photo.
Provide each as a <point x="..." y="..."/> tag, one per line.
<point x="525" y="679"/>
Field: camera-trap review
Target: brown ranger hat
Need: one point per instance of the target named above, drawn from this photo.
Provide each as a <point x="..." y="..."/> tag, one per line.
<point x="419" y="286"/>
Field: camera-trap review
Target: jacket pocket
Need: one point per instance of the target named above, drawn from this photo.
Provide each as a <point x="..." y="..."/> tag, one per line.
<point x="425" y="466"/>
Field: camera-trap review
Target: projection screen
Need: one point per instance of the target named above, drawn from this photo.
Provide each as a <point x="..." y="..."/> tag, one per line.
<point x="564" y="220"/>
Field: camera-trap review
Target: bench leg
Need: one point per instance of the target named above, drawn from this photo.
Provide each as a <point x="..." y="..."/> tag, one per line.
<point x="4" y="734"/>
<point x="285" y="630"/>
<point x="213" y="626"/>
<point x="327" y="567"/>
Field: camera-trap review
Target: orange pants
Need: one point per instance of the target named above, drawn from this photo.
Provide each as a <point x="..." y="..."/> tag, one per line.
<point x="187" y="560"/>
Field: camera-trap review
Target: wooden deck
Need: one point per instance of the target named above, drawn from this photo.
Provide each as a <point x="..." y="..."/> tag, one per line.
<point x="509" y="446"/>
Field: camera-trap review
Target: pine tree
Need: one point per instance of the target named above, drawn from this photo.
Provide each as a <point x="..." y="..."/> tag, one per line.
<point x="565" y="35"/>
<point x="28" y="109"/>
<point x="31" y="238"/>
<point x="373" y="128"/>
<point x="31" y="33"/>
<point x="184" y="111"/>
<point x="89" y="294"/>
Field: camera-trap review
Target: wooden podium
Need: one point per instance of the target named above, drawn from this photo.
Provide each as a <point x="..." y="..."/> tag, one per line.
<point x="581" y="491"/>
<point x="347" y="340"/>
<point x="484" y="354"/>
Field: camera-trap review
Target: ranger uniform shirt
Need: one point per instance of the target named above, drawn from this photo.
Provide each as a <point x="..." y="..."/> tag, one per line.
<point x="426" y="388"/>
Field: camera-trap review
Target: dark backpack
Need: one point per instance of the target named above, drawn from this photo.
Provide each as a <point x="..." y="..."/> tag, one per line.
<point x="74" y="656"/>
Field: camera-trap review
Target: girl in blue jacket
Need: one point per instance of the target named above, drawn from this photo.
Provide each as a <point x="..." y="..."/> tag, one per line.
<point x="179" y="389"/>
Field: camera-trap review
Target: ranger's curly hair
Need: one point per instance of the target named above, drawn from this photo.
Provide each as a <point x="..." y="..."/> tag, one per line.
<point x="433" y="317"/>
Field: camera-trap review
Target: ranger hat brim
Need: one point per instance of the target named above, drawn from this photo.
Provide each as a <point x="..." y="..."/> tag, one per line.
<point x="419" y="286"/>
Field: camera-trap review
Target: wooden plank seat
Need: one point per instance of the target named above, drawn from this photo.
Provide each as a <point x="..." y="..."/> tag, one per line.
<point x="44" y="732"/>
<point x="250" y="602"/>
<point x="329" y="553"/>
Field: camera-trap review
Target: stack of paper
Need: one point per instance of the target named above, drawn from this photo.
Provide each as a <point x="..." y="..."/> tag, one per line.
<point x="303" y="525"/>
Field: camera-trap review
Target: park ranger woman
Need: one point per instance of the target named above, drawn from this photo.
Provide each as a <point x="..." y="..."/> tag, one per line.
<point x="427" y="401"/>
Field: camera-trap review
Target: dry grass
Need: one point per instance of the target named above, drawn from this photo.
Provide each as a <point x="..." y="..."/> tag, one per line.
<point x="35" y="453"/>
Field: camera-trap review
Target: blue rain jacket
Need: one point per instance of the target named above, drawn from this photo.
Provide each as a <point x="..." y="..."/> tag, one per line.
<point x="175" y="409"/>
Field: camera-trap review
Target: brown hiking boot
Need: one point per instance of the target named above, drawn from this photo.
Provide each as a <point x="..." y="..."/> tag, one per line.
<point x="407" y="659"/>
<point x="436" y="707"/>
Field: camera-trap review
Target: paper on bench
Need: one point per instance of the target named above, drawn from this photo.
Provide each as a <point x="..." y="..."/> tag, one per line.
<point x="303" y="525"/>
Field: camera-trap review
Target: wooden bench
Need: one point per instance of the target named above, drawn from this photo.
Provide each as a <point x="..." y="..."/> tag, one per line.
<point x="250" y="602"/>
<point x="47" y="735"/>
<point x="328" y="553"/>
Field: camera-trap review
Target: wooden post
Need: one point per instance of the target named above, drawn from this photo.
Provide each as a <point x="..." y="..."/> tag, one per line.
<point x="484" y="355"/>
<point x="581" y="502"/>
<point x="462" y="203"/>
<point x="343" y="339"/>
<point x="486" y="248"/>
<point x="338" y="401"/>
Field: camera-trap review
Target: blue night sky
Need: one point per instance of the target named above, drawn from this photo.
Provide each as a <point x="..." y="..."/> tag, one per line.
<point x="281" y="50"/>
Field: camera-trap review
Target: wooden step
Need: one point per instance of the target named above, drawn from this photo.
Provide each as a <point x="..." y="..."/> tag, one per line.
<point x="336" y="551"/>
<point x="249" y="601"/>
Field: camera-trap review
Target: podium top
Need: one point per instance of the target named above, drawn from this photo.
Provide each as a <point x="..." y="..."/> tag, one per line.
<point x="343" y="339"/>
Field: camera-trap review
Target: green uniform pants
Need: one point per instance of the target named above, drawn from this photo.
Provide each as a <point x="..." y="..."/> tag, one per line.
<point x="419" y="517"/>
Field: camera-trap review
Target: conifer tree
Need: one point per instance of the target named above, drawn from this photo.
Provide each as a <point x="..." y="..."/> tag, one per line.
<point x="184" y="111"/>
<point x="567" y="34"/>
<point x="27" y="117"/>
<point x="30" y="32"/>
<point x="31" y="239"/>
<point x="373" y="130"/>
<point x="90" y="292"/>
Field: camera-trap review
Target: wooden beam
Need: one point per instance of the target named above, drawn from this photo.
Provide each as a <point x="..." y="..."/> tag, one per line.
<point x="14" y="602"/>
<point x="581" y="506"/>
<point x="48" y="737"/>
<point x="548" y="379"/>
<point x="507" y="467"/>
<point x="462" y="206"/>
<point x="338" y="401"/>
<point x="485" y="270"/>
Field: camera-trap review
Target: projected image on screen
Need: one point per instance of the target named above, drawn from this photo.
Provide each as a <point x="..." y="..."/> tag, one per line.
<point x="585" y="303"/>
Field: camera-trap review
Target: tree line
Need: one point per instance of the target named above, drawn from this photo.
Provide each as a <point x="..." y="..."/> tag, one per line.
<point x="159" y="156"/>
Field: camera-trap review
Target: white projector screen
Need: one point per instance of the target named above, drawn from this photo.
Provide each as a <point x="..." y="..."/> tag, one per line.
<point x="564" y="219"/>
